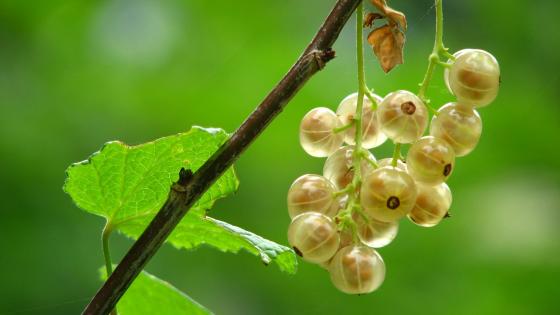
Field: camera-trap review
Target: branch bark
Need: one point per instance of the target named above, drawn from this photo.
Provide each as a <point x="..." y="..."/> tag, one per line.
<point x="190" y="187"/>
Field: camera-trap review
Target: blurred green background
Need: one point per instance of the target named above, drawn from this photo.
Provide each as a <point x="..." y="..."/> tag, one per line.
<point x="75" y="74"/>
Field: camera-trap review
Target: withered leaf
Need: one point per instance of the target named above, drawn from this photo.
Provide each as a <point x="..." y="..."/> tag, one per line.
<point x="393" y="16"/>
<point x="370" y="19"/>
<point x="387" y="42"/>
<point x="396" y="17"/>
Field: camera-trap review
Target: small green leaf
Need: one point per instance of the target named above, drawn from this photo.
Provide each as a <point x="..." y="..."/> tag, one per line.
<point x="122" y="182"/>
<point x="150" y="295"/>
<point x="195" y="230"/>
<point x="127" y="185"/>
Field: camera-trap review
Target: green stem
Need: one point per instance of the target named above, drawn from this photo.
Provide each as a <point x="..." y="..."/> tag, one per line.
<point x="396" y="154"/>
<point x="343" y="128"/>
<point x="361" y="92"/>
<point x="361" y="75"/>
<point x="371" y="99"/>
<point x="370" y="161"/>
<point x="345" y="216"/>
<point x="348" y="189"/>
<point x="438" y="51"/>
<point x="106" y="253"/>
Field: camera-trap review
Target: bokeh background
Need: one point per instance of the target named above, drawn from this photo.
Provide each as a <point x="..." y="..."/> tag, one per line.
<point x="75" y="74"/>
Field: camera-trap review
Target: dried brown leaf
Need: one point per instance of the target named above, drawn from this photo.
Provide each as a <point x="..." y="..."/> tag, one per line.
<point x="370" y="19"/>
<point x="393" y="16"/>
<point x="397" y="17"/>
<point x="387" y="42"/>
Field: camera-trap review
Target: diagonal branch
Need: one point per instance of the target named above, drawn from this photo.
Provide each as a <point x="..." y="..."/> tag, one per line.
<point x="190" y="187"/>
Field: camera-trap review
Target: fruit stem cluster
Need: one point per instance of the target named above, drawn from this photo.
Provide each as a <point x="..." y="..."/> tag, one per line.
<point x="435" y="57"/>
<point x="345" y="217"/>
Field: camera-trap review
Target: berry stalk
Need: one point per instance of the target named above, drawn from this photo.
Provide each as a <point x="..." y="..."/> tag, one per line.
<point x="345" y="216"/>
<point x="396" y="154"/>
<point x="361" y="92"/>
<point x="438" y="51"/>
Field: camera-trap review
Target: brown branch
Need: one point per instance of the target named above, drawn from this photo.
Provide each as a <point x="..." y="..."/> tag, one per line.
<point x="190" y="187"/>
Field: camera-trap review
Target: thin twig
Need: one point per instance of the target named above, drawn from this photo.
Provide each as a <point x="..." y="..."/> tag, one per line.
<point x="190" y="187"/>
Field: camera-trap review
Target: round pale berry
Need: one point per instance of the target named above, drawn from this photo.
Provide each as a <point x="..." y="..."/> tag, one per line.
<point x="375" y="233"/>
<point x="357" y="269"/>
<point x="314" y="237"/>
<point x="402" y="116"/>
<point x="371" y="134"/>
<point x="430" y="160"/>
<point x="316" y="132"/>
<point x="312" y="193"/>
<point x="432" y="204"/>
<point x="474" y="77"/>
<point x="460" y="126"/>
<point x="388" y="194"/>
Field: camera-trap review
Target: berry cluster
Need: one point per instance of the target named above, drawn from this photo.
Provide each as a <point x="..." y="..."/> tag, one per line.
<point x="339" y="218"/>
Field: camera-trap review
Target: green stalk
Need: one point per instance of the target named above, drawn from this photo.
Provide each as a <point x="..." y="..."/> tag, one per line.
<point x="438" y="51"/>
<point x="396" y="154"/>
<point x="106" y="252"/>
<point x="345" y="216"/>
<point x="361" y="91"/>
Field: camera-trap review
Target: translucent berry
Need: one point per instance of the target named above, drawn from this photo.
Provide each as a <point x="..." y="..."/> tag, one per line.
<point x="312" y="193"/>
<point x="388" y="194"/>
<point x="314" y="237"/>
<point x="389" y="162"/>
<point x="371" y="134"/>
<point x="339" y="166"/>
<point x="474" y="77"/>
<point x="357" y="269"/>
<point x="316" y="133"/>
<point x="430" y="160"/>
<point x="460" y="126"/>
<point x="432" y="204"/>
<point x="375" y="233"/>
<point x="402" y="116"/>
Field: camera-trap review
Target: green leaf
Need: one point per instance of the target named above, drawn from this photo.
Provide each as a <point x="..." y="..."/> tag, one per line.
<point x="150" y="295"/>
<point x="127" y="185"/>
<point x="122" y="182"/>
<point x="195" y="230"/>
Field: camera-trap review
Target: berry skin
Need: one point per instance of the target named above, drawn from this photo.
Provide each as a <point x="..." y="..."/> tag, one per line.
<point x="432" y="204"/>
<point x="316" y="133"/>
<point x="346" y="239"/>
<point x="357" y="269"/>
<point x="474" y="77"/>
<point x="312" y="193"/>
<point x="371" y="134"/>
<point x="430" y="160"/>
<point x="314" y="237"/>
<point x="375" y="233"/>
<point x="339" y="167"/>
<point x="402" y="116"/>
<point x="389" y="162"/>
<point x="460" y="126"/>
<point x="388" y="194"/>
